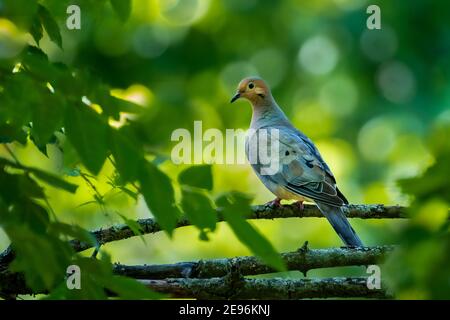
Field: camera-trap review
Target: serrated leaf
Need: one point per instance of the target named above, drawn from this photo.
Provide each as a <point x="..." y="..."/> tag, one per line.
<point x="199" y="210"/>
<point x="50" y="25"/>
<point x="36" y="29"/>
<point x="197" y="176"/>
<point x="126" y="153"/>
<point x="122" y="8"/>
<point x="47" y="115"/>
<point x="36" y="62"/>
<point x="88" y="134"/>
<point x="158" y="193"/>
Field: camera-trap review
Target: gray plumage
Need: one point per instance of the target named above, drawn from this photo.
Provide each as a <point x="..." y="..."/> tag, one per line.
<point x="302" y="174"/>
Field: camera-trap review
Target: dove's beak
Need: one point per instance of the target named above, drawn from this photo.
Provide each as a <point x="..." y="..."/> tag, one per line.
<point x="236" y="96"/>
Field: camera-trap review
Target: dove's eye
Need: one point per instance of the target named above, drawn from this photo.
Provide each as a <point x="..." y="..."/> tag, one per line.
<point x="251" y="85"/>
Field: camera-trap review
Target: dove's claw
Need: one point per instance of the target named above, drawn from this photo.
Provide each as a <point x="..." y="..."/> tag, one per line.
<point x="274" y="203"/>
<point x="299" y="204"/>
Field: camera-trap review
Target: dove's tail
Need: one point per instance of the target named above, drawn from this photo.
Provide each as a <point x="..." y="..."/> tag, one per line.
<point x="340" y="224"/>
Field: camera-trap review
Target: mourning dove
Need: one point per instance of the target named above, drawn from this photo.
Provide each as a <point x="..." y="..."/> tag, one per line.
<point x="300" y="172"/>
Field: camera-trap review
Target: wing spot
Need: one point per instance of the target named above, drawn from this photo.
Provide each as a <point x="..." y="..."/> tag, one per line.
<point x="286" y="153"/>
<point x="309" y="163"/>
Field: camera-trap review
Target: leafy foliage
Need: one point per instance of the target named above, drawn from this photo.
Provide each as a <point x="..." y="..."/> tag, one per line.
<point x="198" y="177"/>
<point x="420" y="267"/>
<point x="199" y="210"/>
<point x="158" y="193"/>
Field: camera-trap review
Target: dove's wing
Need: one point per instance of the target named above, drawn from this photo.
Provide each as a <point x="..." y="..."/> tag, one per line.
<point x="302" y="169"/>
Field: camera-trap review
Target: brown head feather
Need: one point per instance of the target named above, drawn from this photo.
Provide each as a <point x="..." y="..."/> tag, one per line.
<point x="255" y="90"/>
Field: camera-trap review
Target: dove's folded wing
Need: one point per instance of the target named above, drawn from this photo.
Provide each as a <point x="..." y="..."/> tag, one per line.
<point x="303" y="171"/>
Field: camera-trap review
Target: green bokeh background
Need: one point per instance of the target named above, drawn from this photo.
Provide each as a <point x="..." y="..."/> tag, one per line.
<point x="368" y="99"/>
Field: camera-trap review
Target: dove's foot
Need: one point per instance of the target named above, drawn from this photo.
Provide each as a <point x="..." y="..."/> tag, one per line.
<point x="274" y="203"/>
<point x="299" y="204"/>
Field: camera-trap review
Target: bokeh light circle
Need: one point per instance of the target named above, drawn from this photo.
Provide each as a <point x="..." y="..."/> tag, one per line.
<point x="376" y="139"/>
<point x="397" y="82"/>
<point x="318" y="55"/>
<point x="183" y="12"/>
<point x="339" y="95"/>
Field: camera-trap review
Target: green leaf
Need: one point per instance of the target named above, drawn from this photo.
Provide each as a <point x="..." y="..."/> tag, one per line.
<point x="112" y="106"/>
<point x="15" y="105"/>
<point x="158" y="193"/>
<point x="41" y="257"/>
<point x="25" y="213"/>
<point x="53" y="180"/>
<point x="126" y="153"/>
<point x="47" y="116"/>
<point x="235" y="207"/>
<point x="70" y="156"/>
<point x="197" y="176"/>
<point x="73" y="231"/>
<point x="199" y="210"/>
<point x="10" y="133"/>
<point x="36" y="29"/>
<point x="88" y="134"/>
<point x="50" y="25"/>
<point x="47" y="177"/>
<point x="15" y="187"/>
<point x="33" y="190"/>
<point x="125" y="105"/>
<point x="122" y="8"/>
<point x="433" y="183"/>
<point x="134" y="226"/>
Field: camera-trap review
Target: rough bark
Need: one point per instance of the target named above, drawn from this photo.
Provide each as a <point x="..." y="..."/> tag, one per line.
<point x="266" y="289"/>
<point x="122" y="231"/>
<point x="232" y="269"/>
<point x="147" y="226"/>
<point x="301" y="260"/>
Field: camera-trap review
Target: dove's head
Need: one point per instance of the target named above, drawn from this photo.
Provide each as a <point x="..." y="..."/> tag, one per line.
<point x="255" y="90"/>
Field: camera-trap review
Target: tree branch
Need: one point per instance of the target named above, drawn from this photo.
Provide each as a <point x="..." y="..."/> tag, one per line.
<point x="301" y="260"/>
<point x="264" y="289"/>
<point x="122" y="231"/>
<point x="232" y="269"/>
